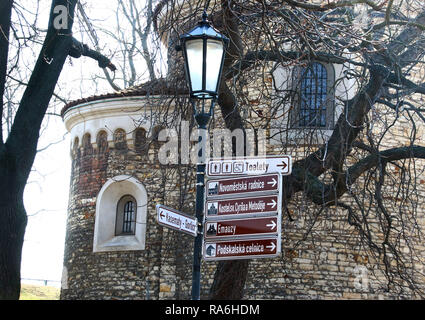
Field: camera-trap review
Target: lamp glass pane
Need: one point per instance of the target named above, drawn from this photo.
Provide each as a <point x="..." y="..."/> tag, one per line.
<point x="194" y="51"/>
<point x="214" y="57"/>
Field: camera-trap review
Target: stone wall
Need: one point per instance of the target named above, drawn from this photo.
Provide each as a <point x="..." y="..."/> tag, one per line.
<point x="322" y="256"/>
<point x="152" y="273"/>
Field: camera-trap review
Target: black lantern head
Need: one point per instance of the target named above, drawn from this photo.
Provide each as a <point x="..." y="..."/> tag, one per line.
<point x="203" y="49"/>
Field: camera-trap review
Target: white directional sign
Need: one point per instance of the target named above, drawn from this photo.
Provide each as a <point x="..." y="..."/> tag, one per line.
<point x="248" y="166"/>
<point x="176" y="220"/>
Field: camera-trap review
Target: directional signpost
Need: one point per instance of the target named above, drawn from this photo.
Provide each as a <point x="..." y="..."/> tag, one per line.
<point x="242" y="207"/>
<point x="177" y="220"/>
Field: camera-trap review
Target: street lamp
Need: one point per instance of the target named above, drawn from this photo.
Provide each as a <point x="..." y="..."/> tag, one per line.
<point x="203" y="50"/>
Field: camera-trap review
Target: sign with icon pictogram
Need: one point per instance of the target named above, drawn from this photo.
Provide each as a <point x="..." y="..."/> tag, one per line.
<point x="242" y="217"/>
<point x="250" y="166"/>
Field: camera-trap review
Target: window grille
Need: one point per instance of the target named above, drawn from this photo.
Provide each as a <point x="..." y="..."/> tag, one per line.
<point x="129" y="215"/>
<point x="126" y="216"/>
<point x="313" y="94"/>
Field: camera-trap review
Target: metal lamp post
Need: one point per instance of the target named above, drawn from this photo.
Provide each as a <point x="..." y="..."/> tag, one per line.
<point x="203" y="50"/>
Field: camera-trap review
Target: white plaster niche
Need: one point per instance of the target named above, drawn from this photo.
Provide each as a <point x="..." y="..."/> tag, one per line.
<point x="105" y="238"/>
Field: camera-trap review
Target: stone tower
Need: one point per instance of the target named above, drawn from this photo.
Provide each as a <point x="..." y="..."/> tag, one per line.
<point x="114" y="247"/>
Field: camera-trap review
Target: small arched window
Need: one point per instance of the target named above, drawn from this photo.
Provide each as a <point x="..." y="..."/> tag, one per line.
<point x="87" y="146"/>
<point x="76" y="147"/>
<point x="314" y="105"/>
<point x="155" y="135"/>
<point x="120" y="141"/>
<point x="102" y="141"/>
<point x="156" y="142"/>
<point x="140" y="141"/>
<point x="114" y="214"/>
<point x="126" y="216"/>
<point x="76" y="144"/>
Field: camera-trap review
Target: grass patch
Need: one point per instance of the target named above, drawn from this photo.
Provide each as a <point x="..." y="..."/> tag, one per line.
<point x="33" y="292"/>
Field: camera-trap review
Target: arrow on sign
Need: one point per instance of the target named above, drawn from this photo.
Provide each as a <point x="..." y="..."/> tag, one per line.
<point x="283" y="165"/>
<point x="273" y="204"/>
<point x="271" y="225"/>
<point x="176" y="220"/>
<point x="271" y="247"/>
<point x="273" y="183"/>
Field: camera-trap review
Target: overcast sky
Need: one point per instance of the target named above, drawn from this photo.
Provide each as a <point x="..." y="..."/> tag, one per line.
<point x="46" y="200"/>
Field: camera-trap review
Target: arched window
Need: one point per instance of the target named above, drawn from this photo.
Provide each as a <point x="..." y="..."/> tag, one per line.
<point x="114" y="214"/>
<point x="120" y="140"/>
<point x="314" y="105"/>
<point x="156" y="142"/>
<point x="76" y="144"/>
<point x="140" y="141"/>
<point x="76" y="147"/>
<point x="126" y="216"/>
<point x="155" y="134"/>
<point x="87" y="147"/>
<point x="102" y="141"/>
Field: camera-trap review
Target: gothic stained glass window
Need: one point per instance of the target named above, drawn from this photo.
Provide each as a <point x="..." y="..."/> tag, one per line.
<point x="313" y="91"/>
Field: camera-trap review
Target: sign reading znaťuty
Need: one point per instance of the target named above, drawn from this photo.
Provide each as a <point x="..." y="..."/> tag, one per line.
<point x="247" y="166"/>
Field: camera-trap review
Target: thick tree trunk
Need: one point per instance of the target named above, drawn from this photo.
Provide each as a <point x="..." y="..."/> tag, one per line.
<point x="6" y="12"/>
<point x="229" y="280"/>
<point x="18" y="152"/>
<point x="13" y="221"/>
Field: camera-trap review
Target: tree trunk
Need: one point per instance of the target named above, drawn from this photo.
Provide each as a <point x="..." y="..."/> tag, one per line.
<point x="6" y="12"/>
<point x="18" y="152"/>
<point x="229" y="280"/>
<point x="13" y="220"/>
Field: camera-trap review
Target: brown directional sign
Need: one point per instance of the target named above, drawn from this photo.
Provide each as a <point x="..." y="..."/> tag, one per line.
<point x="239" y="206"/>
<point x="241" y="249"/>
<point x="244" y="185"/>
<point x="241" y="227"/>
